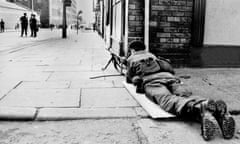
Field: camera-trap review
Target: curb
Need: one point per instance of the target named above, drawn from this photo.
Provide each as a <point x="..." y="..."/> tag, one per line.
<point x="61" y="114"/>
<point x="17" y="113"/>
<point x="54" y="114"/>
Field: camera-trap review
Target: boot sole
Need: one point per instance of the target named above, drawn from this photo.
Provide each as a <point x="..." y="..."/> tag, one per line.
<point x="225" y="121"/>
<point x="228" y="127"/>
<point x="209" y="126"/>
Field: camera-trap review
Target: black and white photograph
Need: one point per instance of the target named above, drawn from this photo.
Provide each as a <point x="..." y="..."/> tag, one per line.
<point x="119" y="72"/>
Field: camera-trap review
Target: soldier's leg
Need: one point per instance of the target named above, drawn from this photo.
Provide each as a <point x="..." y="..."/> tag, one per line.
<point x="219" y="110"/>
<point x="188" y="107"/>
<point x="31" y="31"/>
<point x="224" y="119"/>
<point x="161" y="95"/>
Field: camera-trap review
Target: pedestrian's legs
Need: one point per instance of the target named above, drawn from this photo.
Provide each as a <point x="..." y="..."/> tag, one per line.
<point x="31" y="31"/>
<point x="25" y="28"/>
<point x="34" y="33"/>
<point x="22" y="30"/>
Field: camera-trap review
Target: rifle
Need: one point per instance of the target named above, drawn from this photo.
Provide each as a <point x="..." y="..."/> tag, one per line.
<point x="119" y="63"/>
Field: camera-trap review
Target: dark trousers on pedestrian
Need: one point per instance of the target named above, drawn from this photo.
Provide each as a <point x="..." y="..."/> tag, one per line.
<point x="24" y="30"/>
<point x="2" y="29"/>
<point x="32" y="31"/>
<point x="172" y="103"/>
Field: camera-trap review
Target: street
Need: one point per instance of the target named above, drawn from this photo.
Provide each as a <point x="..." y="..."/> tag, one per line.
<point x="47" y="96"/>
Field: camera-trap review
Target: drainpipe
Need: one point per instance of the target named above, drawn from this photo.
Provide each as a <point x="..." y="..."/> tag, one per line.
<point x="126" y="27"/>
<point x="146" y="28"/>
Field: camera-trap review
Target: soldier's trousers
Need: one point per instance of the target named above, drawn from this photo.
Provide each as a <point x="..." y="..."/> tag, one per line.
<point x="177" y="105"/>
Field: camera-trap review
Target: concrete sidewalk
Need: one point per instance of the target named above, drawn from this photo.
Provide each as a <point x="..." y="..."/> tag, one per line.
<point x="51" y="81"/>
<point x="55" y="76"/>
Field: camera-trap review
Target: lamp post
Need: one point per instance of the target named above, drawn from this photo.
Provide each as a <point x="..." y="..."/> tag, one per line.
<point x="64" y="24"/>
<point x="64" y="30"/>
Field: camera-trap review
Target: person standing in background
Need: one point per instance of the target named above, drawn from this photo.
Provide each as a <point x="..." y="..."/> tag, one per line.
<point x="34" y="26"/>
<point x="24" y="24"/>
<point x="2" y="25"/>
<point x="31" y="25"/>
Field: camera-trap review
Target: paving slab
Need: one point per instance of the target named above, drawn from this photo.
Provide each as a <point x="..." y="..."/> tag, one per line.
<point x="27" y="63"/>
<point x="67" y="61"/>
<point x="25" y="69"/>
<point x="106" y="97"/>
<point x="68" y="68"/>
<point x="117" y="80"/>
<point x="26" y="76"/>
<point x="74" y="76"/>
<point x="141" y="112"/>
<point x="17" y="113"/>
<point x="84" y="113"/>
<point x="44" y="85"/>
<point x="7" y="85"/>
<point x="177" y="132"/>
<point x="94" y="83"/>
<point x="42" y="98"/>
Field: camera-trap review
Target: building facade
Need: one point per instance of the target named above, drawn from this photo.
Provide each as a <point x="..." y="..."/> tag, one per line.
<point x="50" y="11"/>
<point x="11" y="14"/>
<point x="188" y="32"/>
<point x="56" y="12"/>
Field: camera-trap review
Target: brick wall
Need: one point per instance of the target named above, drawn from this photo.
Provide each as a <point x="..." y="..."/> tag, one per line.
<point x="135" y="20"/>
<point x="170" y="29"/>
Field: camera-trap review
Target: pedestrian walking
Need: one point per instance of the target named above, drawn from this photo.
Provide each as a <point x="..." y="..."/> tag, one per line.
<point x="24" y="24"/>
<point x="2" y="25"/>
<point x="155" y="77"/>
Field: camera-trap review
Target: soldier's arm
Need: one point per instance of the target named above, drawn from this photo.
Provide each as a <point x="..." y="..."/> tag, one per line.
<point x="132" y="75"/>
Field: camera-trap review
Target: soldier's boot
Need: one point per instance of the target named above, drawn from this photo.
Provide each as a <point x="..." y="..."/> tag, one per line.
<point x="208" y="121"/>
<point x="224" y="119"/>
<point x="202" y="111"/>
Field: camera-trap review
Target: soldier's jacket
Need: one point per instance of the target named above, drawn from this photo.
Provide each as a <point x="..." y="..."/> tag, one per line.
<point x="145" y="67"/>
